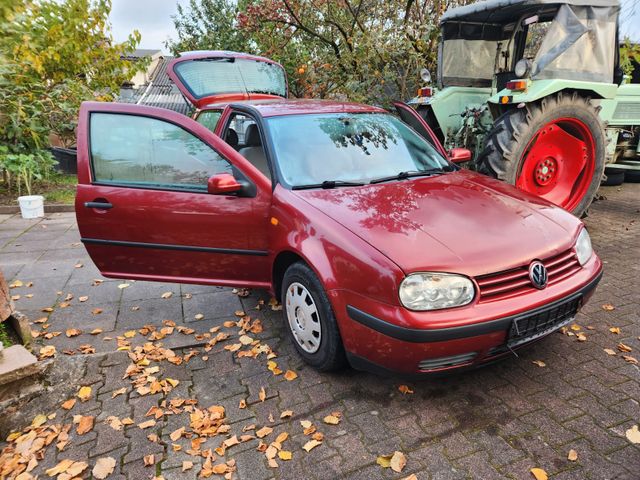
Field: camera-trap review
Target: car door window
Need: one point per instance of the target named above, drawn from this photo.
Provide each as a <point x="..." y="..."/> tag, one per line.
<point x="140" y="151"/>
<point x="248" y="140"/>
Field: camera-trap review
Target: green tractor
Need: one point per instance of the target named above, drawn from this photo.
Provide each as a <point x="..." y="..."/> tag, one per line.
<point x="534" y="89"/>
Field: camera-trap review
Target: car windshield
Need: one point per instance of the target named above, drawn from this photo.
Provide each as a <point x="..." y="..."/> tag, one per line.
<point x="347" y="147"/>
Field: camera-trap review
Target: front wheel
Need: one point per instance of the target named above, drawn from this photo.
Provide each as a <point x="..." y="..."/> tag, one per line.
<point x="310" y="320"/>
<point x="554" y="149"/>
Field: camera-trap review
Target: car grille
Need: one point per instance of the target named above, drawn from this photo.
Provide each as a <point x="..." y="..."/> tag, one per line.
<point x="529" y="327"/>
<point x="510" y="283"/>
<point x="446" y="362"/>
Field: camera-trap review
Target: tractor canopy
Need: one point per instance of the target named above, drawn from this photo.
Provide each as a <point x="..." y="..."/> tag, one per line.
<point x="570" y="40"/>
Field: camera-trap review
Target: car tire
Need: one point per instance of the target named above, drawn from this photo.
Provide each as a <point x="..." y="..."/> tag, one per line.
<point x="613" y="178"/>
<point x="632" y="176"/>
<point x="310" y="321"/>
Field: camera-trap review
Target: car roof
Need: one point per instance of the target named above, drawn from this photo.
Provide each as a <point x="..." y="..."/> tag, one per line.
<point x="278" y="107"/>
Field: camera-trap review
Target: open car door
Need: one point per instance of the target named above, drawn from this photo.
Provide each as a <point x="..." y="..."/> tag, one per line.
<point x="415" y="121"/>
<point x="162" y="198"/>
<point x="206" y="77"/>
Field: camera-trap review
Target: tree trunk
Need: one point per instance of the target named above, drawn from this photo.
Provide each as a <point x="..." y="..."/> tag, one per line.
<point x="6" y="306"/>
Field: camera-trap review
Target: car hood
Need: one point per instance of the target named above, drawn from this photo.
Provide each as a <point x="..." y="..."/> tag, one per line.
<point x="458" y="222"/>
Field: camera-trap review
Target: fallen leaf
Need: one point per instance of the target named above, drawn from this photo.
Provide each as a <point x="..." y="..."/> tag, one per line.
<point x="47" y="351"/>
<point x="38" y="420"/>
<point x="290" y="375"/>
<point x="263" y="432"/>
<point x="610" y="351"/>
<point x="120" y="391"/>
<point x="405" y="389"/>
<point x="72" y="332"/>
<point x="331" y="420"/>
<point x="608" y="307"/>
<point x="572" y="456"/>
<point x="96" y="311"/>
<point x="286" y="414"/>
<point x="149" y="460"/>
<point x="83" y="298"/>
<point x="242" y="404"/>
<point x="84" y="423"/>
<point x="245" y="340"/>
<point x="147" y="424"/>
<point x="630" y="359"/>
<point x="262" y="395"/>
<point x="68" y="405"/>
<point x="198" y="316"/>
<point x="84" y="394"/>
<point x="103" y="467"/>
<point x="633" y="434"/>
<point x="624" y="348"/>
<point x="398" y="461"/>
<point x="310" y="445"/>
<point x="186" y="465"/>
<point x="176" y="434"/>
<point x="581" y="337"/>
<point x="96" y="331"/>
<point x="123" y="285"/>
<point x="539" y="363"/>
<point x="166" y="295"/>
<point x="284" y="455"/>
<point x="61" y="467"/>
<point x="384" y="461"/>
<point x="615" y="330"/>
<point x="539" y="474"/>
<point x="79" y="265"/>
<point x="410" y="477"/>
<point x="129" y="334"/>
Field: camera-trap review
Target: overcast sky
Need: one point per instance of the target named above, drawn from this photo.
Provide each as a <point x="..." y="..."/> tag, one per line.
<point x="152" y="18"/>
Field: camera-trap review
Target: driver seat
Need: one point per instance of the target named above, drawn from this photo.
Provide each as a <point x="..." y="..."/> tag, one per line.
<point x="253" y="150"/>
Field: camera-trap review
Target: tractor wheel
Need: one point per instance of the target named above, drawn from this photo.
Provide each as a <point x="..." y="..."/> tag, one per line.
<point x="554" y="148"/>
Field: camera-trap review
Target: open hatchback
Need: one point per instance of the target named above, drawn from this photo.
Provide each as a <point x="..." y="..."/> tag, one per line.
<point x="206" y="77"/>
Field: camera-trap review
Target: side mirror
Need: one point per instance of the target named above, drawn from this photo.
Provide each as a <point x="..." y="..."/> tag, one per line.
<point x="459" y="155"/>
<point x="223" y="183"/>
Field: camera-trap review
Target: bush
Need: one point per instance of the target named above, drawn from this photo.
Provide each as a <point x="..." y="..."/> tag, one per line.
<point x="21" y="169"/>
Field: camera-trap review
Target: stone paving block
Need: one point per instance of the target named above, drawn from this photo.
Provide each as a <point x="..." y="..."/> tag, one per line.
<point x="211" y="305"/>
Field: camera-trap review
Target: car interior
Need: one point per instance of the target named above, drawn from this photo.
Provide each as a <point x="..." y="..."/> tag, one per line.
<point x="243" y="135"/>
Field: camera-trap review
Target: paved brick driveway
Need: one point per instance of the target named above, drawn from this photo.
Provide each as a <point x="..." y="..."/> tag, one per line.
<point x="497" y="422"/>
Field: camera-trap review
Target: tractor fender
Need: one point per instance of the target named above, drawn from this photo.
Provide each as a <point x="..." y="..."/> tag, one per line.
<point x="539" y="89"/>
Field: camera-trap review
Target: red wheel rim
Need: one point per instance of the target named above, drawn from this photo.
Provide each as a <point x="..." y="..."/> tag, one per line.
<point x="559" y="163"/>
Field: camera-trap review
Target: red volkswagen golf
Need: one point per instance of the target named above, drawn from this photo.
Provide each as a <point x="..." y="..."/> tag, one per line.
<point x="383" y="252"/>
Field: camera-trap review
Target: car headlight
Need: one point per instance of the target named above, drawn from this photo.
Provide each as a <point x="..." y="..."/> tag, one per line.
<point x="522" y="67"/>
<point x="433" y="291"/>
<point x="584" y="250"/>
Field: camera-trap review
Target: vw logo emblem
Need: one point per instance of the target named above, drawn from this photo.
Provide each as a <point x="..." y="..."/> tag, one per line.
<point x="538" y="275"/>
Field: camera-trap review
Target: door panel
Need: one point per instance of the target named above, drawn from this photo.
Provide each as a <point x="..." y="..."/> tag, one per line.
<point x="415" y="121"/>
<point x="142" y="205"/>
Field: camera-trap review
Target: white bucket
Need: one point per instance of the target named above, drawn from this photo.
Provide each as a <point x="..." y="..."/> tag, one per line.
<point x="31" y="206"/>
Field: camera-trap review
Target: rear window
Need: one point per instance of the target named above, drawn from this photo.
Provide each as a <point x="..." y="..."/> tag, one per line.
<point x="213" y="76"/>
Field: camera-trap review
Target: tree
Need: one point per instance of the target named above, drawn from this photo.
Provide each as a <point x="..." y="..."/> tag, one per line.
<point x="53" y="55"/>
<point x="365" y="50"/>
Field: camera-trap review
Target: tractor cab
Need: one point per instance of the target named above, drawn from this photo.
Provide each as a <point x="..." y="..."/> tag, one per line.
<point x="515" y="42"/>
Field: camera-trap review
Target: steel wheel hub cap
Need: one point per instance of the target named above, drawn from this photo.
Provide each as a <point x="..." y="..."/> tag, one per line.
<point x="303" y="317"/>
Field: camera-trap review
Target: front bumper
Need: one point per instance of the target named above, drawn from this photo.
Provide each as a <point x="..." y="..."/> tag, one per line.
<point x="374" y="343"/>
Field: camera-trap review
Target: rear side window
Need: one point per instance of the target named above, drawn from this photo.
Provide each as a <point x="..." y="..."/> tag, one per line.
<point x="209" y="118"/>
<point x="141" y="151"/>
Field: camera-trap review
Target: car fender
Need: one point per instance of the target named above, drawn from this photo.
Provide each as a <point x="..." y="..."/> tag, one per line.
<point x="340" y="259"/>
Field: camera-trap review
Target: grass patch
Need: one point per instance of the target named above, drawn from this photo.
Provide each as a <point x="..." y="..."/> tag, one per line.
<point x="58" y="188"/>
<point x="5" y="339"/>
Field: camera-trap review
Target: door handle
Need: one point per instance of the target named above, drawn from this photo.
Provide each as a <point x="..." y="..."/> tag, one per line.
<point x="100" y="205"/>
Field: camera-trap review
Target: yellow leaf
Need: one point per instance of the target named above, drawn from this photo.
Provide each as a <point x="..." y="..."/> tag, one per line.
<point x="198" y="316"/>
<point x="166" y="295"/>
<point x="246" y="340"/>
<point x="103" y="467"/>
<point x="539" y="363"/>
<point x="47" y="351"/>
<point x="282" y="437"/>
<point x="624" y="348"/>
<point x="286" y="414"/>
<point x="262" y="395"/>
<point x="384" y="461"/>
<point x="147" y="424"/>
<point x="581" y="337"/>
<point x="123" y="285"/>
<point x="38" y="420"/>
<point x="284" y="455"/>
<point x="96" y="331"/>
<point x="572" y="456"/>
<point x="609" y="351"/>
<point x="263" y="432"/>
<point x="575" y="327"/>
<point x="130" y="333"/>
<point x="174" y="383"/>
<point x="84" y="394"/>
<point x="68" y="405"/>
<point x="61" y="467"/>
<point x="608" y="307"/>
<point x="615" y="330"/>
<point x="85" y="423"/>
<point x="290" y="375"/>
<point x="72" y="332"/>
<point x="633" y="434"/>
<point x="539" y="474"/>
<point x="120" y="391"/>
<point x="186" y="465"/>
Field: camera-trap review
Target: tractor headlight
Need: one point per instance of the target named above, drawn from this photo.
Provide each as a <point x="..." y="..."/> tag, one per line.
<point x="433" y="291"/>
<point x="583" y="247"/>
<point x="425" y="74"/>
<point x="522" y="68"/>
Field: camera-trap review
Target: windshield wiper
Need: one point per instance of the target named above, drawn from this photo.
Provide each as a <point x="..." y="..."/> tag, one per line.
<point x="413" y="173"/>
<point x="328" y="184"/>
